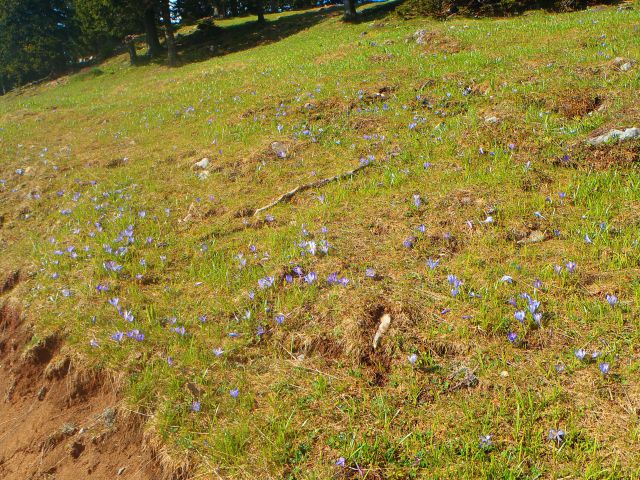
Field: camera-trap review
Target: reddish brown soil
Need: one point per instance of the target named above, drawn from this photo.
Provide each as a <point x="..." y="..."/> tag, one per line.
<point x="57" y="422"/>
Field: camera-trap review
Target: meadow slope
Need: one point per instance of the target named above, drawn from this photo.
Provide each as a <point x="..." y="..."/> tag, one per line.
<point x="503" y="248"/>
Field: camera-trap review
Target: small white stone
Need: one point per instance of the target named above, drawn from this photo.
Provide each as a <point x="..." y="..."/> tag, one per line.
<point x="204" y="174"/>
<point x="202" y="164"/>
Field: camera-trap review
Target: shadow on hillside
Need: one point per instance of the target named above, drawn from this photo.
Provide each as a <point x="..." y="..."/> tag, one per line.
<point x="218" y="41"/>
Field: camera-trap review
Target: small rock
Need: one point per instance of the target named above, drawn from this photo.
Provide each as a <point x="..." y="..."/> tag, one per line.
<point x="68" y="429"/>
<point x="491" y="120"/>
<point x="41" y="393"/>
<point x="121" y="470"/>
<point x="624" y="64"/>
<point x="109" y="417"/>
<point x="504" y="374"/>
<point x="203" y="175"/>
<point x="202" y="164"/>
<point x="536" y="236"/>
<point x="619" y="135"/>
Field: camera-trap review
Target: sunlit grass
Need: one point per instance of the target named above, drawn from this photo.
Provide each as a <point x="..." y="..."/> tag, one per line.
<point x="309" y="388"/>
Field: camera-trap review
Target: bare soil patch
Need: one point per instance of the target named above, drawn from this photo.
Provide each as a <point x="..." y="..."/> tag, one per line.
<point x="59" y="422"/>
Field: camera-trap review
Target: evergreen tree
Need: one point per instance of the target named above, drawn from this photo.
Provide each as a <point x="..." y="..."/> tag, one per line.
<point x="105" y="23"/>
<point x="37" y="40"/>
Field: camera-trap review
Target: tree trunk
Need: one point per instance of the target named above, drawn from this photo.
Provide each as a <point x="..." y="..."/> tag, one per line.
<point x="350" y="13"/>
<point x="172" y="54"/>
<point x="233" y="7"/>
<point x="131" y="47"/>
<point x="151" y="32"/>
<point x="260" y="12"/>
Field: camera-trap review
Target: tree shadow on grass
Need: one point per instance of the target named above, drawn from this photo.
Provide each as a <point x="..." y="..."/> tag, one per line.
<point x="219" y="41"/>
<point x="214" y="41"/>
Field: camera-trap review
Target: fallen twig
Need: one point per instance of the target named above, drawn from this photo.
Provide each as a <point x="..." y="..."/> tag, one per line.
<point x="301" y="188"/>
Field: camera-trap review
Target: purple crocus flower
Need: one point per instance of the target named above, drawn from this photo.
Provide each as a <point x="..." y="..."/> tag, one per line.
<point x="408" y="242"/>
<point x="265" y="282"/>
<point x="612" y="300"/>
<point x="604" y="368"/>
<point x="180" y="330"/>
<point x="310" y="278"/>
<point x="195" y="406"/>
<point x="118" y="336"/>
<point x="512" y="337"/>
<point x="417" y="201"/>
<point x="485" y="442"/>
<point x="571" y="266"/>
<point x="370" y="273"/>
<point x="218" y="352"/>
<point x="520" y="315"/>
<point x="234" y="393"/>
<point x="537" y="317"/>
<point x="432" y="264"/>
<point x="413" y="358"/>
<point x="341" y="462"/>
<point x="580" y="354"/>
<point x="94" y="343"/>
<point x="280" y="318"/>
<point x="557" y="436"/>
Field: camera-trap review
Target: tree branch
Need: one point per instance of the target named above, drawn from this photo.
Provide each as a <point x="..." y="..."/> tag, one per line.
<point x="301" y="188"/>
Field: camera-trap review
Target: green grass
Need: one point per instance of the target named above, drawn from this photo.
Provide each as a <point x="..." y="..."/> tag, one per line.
<point x="310" y="389"/>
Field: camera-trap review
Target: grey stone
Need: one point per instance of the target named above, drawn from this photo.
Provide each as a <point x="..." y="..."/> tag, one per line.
<point x="202" y="164"/>
<point x="619" y="135"/>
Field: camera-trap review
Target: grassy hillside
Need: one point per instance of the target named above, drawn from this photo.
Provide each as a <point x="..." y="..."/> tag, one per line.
<point x="494" y="244"/>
